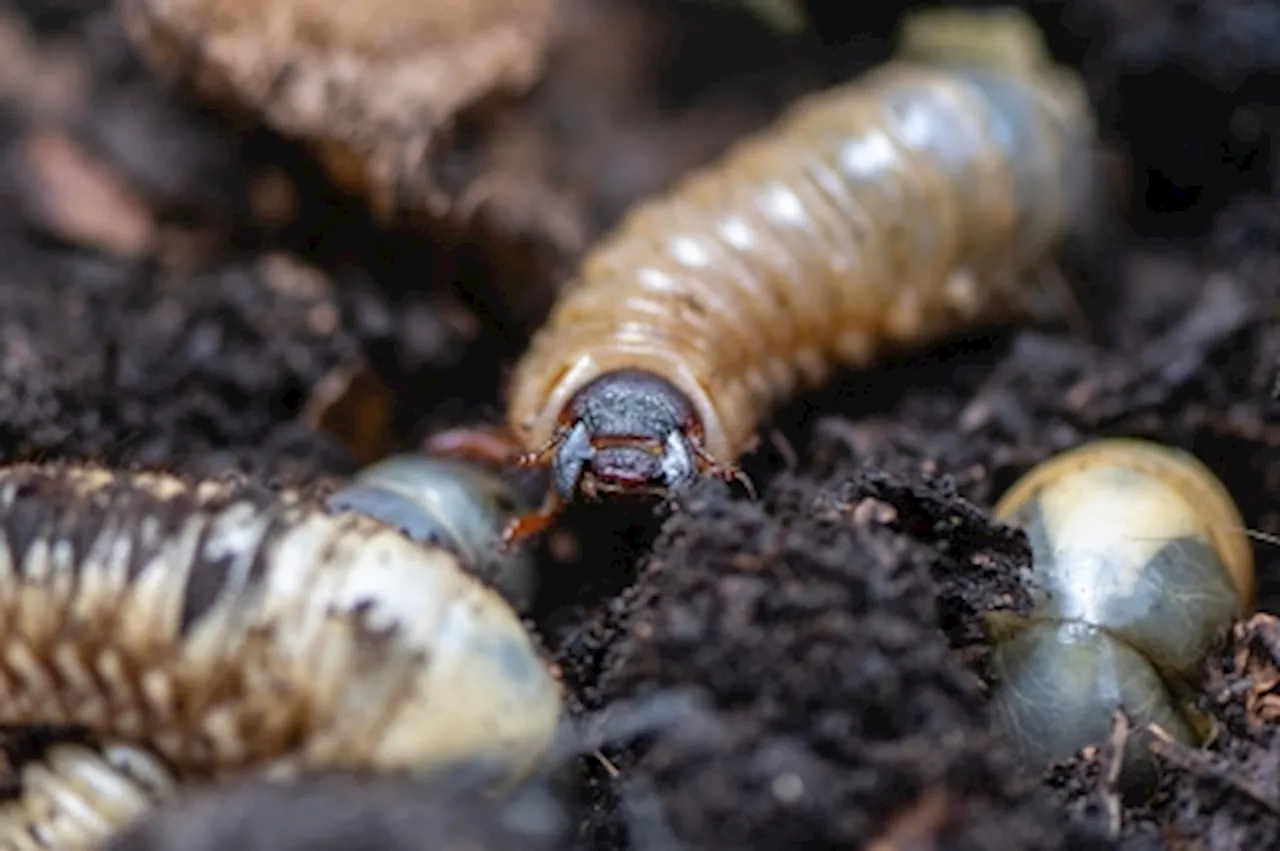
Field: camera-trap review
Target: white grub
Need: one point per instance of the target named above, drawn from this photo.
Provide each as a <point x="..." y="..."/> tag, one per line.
<point x="226" y="630"/>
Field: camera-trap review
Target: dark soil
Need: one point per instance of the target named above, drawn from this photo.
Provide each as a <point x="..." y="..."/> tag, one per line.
<point x="180" y="294"/>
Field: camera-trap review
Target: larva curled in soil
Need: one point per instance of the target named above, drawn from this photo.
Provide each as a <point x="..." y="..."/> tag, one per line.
<point x="453" y="504"/>
<point x="1140" y="559"/>
<point x="905" y="205"/>
<point x="229" y="631"/>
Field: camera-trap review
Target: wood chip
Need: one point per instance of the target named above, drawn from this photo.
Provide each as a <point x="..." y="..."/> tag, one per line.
<point x="371" y="85"/>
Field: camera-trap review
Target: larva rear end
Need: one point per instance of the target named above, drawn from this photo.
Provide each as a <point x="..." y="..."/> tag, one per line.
<point x="910" y="203"/>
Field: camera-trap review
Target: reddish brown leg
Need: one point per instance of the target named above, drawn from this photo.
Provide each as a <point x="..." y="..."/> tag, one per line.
<point x="534" y="522"/>
<point x="483" y="444"/>
<point x="724" y="472"/>
<point x="541" y="456"/>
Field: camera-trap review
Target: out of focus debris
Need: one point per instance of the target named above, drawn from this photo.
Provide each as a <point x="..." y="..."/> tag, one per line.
<point x="353" y="404"/>
<point x="785" y="16"/>
<point x="74" y="196"/>
<point x="373" y="86"/>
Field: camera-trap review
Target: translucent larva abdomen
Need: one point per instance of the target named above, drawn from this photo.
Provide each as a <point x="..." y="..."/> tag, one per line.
<point x="904" y="205"/>
<point x="227" y="630"/>
<point x="1139" y="561"/>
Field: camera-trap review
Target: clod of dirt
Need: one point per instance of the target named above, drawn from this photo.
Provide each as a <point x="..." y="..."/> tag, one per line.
<point x="145" y="369"/>
<point x="838" y="714"/>
<point x="1225" y="796"/>
<point x="345" y="811"/>
<point x="372" y="86"/>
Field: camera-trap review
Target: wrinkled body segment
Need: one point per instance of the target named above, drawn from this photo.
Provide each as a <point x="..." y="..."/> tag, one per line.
<point x="453" y="504"/>
<point x="76" y="796"/>
<point x="224" y="631"/>
<point x="905" y="205"/>
<point x="1139" y="562"/>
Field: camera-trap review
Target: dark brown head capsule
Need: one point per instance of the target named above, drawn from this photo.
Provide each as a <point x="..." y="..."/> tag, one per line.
<point x="627" y="431"/>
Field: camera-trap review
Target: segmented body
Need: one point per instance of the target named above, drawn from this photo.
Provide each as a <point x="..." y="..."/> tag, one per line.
<point x="1140" y="561"/>
<point x="904" y="205"/>
<point x="76" y="796"/>
<point x="226" y="631"/>
<point x="453" y="504"/>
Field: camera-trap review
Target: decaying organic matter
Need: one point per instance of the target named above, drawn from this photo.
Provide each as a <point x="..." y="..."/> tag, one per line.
<point x="372" y="87"/>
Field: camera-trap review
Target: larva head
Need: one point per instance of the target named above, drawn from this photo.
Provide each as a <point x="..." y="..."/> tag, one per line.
<point x="628" y="431"/>
<point x="1138" y="539"/>
<point x="453" y="503"/>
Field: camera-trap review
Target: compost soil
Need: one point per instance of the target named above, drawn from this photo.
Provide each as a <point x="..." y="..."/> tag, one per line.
<point x="178" y="293"/>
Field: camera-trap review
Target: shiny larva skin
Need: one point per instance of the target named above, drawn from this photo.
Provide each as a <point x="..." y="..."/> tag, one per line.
<point x="225" y="630"/>
<point x="903" y="206"/>
<point x="76" y="796"/>
<point x="1139" y="561"/>
<point x="453" y="504"/>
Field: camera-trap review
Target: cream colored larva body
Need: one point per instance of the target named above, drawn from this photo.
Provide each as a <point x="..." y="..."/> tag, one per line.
<point x="907" y="204"/>
<point x="77" y="795"/>
<point x="1140" y="560"/>
<point x="225" y="631"/>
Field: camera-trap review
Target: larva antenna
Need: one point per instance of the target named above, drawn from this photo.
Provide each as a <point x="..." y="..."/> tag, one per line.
<point x="1002" y="37"/>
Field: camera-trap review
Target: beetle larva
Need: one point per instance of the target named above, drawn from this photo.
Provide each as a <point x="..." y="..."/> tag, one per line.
<point x="453" y="504"/>
<point x="372" y="87"/>
<point x="1139" y="560"/>
<point x="228" y="630"/>
<point x="907" y="204"/>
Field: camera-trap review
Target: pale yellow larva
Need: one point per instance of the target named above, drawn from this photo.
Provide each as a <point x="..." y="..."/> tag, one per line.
<point x="1140" y="560"/>
<point x="76" y="795"/>
<point x="907" y="204"/>
<point x="229" y="630"/>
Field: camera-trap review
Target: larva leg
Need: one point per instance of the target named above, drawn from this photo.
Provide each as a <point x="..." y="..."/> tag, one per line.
<point x="482" y="444"/>
<point x="534" y="522"/>
<point x="76" y="797"/>
<point x="725" y="472"/>
<point x="498" y="447"/>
